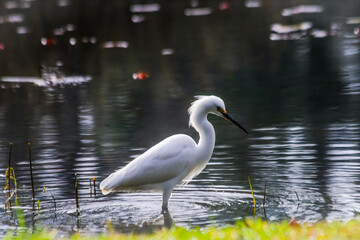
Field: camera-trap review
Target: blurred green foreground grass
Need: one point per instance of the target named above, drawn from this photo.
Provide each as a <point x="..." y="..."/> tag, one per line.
<point x="248" y="229"/>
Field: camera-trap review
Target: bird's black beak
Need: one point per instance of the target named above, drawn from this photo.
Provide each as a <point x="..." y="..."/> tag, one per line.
<point x="229" y="117"/>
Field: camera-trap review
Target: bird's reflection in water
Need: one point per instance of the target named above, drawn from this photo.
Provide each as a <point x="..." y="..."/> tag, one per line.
<point x="163" y="220"/>
<point x="168" y="220"/>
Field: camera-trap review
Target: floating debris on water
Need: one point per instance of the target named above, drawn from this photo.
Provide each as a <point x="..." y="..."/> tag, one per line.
<point x="335" y="28"/>
<point x="224" y="5"/>
<point x="317" y="33"/>
<point x="51" y="81"/>
<point x="63" y="3"/>
<point x="70" y="27"/>
<point x="356" y="31"/>
<point x="302" y="9"/>
<point x="11" y="5"/>
<point x="115" y="44"/>
<point x="353" y="20"/>
<point x="59" y="31"/>
<point x="144" y="8"/>
<point x="22" y="30"/>
<point x="86" y="39"/>
<point x="140" y="76"/>
<point x="64" y="28"/>
<point x="72" y="41"/>
<point x="48" y="41"/>
<point x="198" y="11"/>
<point x="12" y="18"/>
<point x="282" y="31"/>
<point x="288" y="28"/>
<point x="137" y="18"/>
<point x="194" y="3"/>
<point x="167" y="51"/>
<point x="288" y="36"/>
<point x="252" y="3"/>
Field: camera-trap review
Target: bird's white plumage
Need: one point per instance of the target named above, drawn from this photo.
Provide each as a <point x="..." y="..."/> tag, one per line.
<point x="161" y="163"/>
<point x="175" y="160"/>
<point x="204" y="105"/>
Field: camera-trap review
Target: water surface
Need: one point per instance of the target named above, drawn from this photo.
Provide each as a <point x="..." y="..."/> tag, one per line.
<point x="94" y="89"/>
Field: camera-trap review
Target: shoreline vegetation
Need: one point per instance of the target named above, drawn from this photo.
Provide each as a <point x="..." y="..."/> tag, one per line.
<point x="247" y="229"/>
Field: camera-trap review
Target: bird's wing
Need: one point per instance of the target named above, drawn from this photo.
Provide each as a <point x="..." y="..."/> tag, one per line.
<point x="164" y="161"/>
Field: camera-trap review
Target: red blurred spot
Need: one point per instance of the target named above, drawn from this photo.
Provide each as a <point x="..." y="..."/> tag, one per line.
<point x="2" y="47"/>
<point x="224" y="5"/>
<point x="140" y="76"/>
<point x="48" y="41"/>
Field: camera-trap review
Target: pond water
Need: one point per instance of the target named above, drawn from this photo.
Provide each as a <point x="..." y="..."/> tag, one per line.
<point x="93" y="85"/>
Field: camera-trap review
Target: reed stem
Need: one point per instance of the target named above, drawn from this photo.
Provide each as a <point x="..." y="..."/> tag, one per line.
<point x="77" y="196"/>
<point x="252" y="192"/>
<point x="8" y="180"/>
<point x="38" y="207"/>
<point x="31" y="173"/>
<point x="297" y="196"/>
<point x="264" y="201"/>
<point x="94" y="187"/>
<point x="54" y="202"/>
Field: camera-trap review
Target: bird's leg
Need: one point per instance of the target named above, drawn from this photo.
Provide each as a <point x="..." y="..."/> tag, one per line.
<point x="166" y="196"/>
<point x="164" y="210"/>
<point x="168" y="220"/>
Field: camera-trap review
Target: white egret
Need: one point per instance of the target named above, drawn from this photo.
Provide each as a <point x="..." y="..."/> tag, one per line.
<point x="176" y="159"/>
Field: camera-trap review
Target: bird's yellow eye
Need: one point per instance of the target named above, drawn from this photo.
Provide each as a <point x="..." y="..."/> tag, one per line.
<point x="221" y="110"/>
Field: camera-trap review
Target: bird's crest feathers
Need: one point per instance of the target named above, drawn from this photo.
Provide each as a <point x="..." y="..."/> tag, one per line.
<point x="194" y="104"/>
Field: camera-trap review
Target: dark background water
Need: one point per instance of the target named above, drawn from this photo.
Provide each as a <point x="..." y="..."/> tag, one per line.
<point x="287" y="70"/>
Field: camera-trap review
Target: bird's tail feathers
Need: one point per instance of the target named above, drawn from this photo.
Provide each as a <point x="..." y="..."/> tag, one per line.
<point x="109" y="184"/>
<point x="105" y="191"/>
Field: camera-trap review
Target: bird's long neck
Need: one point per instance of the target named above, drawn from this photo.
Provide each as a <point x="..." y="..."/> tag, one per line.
<point x="207" y="134"/>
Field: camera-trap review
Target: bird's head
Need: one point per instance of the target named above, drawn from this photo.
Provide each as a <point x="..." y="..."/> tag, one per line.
<point x="213" y="105"/>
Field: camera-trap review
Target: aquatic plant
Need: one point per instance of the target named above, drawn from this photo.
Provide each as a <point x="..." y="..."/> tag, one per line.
<point x="9" y="174"/>
<point x="264" y="201"/>
<point x="252" y="193"/>
<point x="31" y="173"/>
<point x="38" y="207"/>
<point x="94" y="187"/>
<point x="77" y="196"/>
<point x="53" y="199"/>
